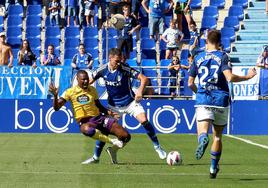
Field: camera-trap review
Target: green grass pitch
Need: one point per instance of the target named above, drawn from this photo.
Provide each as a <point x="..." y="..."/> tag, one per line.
<point x="53" y="160"/>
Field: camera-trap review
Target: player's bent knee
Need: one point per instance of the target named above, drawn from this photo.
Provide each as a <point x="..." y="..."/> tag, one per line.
<point x="127" y="138"/>
<point x="88" y="131"/>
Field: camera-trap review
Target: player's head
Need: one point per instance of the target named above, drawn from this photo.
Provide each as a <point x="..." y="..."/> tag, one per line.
<point x="214" y="37"/>
<point x="265" y="51"/>
<point x="82" y="79"/>
<point x="172" y="24"/>
<point x="175" y="60"/>
<point x="50" y="49"/>
<point x="2" y="37"/>
<point x="115" y="56"/>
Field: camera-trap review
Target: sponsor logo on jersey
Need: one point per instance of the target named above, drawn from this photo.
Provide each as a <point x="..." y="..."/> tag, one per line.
<point x="83" y="99"/>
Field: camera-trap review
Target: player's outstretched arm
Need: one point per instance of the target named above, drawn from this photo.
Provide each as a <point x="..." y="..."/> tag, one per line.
<point x="144" y="81"/>
<point x="57" y="103"/>
<point x="230" y="77"/>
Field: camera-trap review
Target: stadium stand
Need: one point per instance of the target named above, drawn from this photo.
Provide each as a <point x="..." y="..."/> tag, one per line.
<point x="218" y="3"/>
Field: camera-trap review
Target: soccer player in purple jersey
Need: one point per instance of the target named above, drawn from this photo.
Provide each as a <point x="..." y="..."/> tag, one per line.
<point x="213" y="70"/>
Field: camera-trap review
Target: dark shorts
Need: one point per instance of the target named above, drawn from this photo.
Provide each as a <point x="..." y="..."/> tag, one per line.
<point x="102" y="122"/>
<point x="125" y="45"/>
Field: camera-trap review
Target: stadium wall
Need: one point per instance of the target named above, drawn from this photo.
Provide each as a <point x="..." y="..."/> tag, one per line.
<point x="168" y="116"/>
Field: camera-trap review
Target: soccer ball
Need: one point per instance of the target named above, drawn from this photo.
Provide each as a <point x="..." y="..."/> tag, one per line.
<point x="174" y="158"/>
<point x="118" y="21"/>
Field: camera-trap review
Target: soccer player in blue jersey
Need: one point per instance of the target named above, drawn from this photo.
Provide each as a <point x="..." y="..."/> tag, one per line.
<point x="121" y="99"/>
<point x="214" y="71"/>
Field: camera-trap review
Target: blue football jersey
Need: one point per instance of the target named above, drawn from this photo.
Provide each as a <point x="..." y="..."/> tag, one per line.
<point x="118" y="83"/>
<point x="213" y="88"/>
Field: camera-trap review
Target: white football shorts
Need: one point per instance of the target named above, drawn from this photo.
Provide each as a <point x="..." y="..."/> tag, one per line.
<point x="133" y="109"/>
<point x="218" y="115"/>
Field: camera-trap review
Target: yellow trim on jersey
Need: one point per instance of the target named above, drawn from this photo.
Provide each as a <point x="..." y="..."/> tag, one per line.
<point x="83" y="101"/>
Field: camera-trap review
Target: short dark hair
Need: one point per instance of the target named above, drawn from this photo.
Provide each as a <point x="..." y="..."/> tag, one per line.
<point x="115" y="51"/>
<point x="214" y="37"/>
<point x="81" y="72"/>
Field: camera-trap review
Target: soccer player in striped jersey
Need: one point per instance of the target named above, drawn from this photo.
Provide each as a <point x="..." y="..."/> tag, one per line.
<point x="213" y="70"/>
<point x="89" y="113"/>
<point x="122" y="99"/>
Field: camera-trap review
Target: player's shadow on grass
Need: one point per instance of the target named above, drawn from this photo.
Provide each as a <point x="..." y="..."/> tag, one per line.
<point x="251" y="179"/>
<point x="201" y="164"/>
<point x="144" y="163"/>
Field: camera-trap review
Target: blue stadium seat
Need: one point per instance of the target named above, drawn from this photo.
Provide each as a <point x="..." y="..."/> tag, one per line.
<point x="35" y="10"/>
<point x="202" y="44"/>
<point x="132" y="63"/>
<point x="133" y="55"/>
<point x="148" y="54"/>
<point x="14" y="32"/>
<point x="15" y="53"/>
<point x="243" y="3"/>
<point x="226" y="44"/>
<point x="90" y="32"/>
<point x="236" y="11"/>
<point x="228" y="32"/>
<point x="150" y="73"/>
<point x="148" y="62"/>
<point x="208" y="22"/>
<point x="53" y="32"/>
<point x="53" y="41"/>
<point x="14" y="21"/>
<point x="71" y="43"/>
<point x="163" y="45"/>
<point x="1" y="21"/>
<point x="16" y="10"/>
<point x="14" y="42"/>
<point x="35" y="43"/>
<point x="145" y="33"/>
<point x="34" y="2"/>
<point x="91" y="43"/>
<point x="147" y="44"/>
<point x="112" y="43"/>
<point x="69" y="53"/>
<point x="112" y="33"/>
<point x="72" y="32"/>
<point x="196" y="4"/>
<point x="33" y="21"/>
<point x="232" y="21"/>
<point x="211" y="11"/>
<point x="165" y="62"/>
<point x="218" y="3"/>
<point x="94" y="53"/>
<point x="33" y="32"/>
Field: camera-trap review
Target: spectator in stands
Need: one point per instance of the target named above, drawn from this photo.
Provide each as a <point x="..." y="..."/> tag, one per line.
<point x="174" y="70"/>
<point x="82" y="60"/>
<point x="125" y="39"/>
<point x="194" y="39"/>
<point x="81" y="13"/>
<point x="89" y="12"/>
<point x="156" y="11"/>
<point x="50" y="59"/>
<point x="172" y="36"/>
<point x="116" y="6"/>
<point x="182" y="8"/>
<point x="6" y="52"/>
<point x="25" y="55"/>
<point x="71" y="11"/>
<point x="262" y="60"/>
<point x="54" y="11"/>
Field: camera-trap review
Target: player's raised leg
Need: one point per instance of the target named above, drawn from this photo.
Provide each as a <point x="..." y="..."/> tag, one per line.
<point x="141" y="117"/>
<point x="122" y="135"/>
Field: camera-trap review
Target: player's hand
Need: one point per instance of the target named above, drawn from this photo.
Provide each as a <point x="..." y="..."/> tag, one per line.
<point x="138" y="96"/>
<point x="54" y="90"/>
<point x="10" y="65"/>
<point x="252" y="72"/>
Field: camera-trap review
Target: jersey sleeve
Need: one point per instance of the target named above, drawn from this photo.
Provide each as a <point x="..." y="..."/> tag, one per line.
<point x="98" y="73"/>
<point x="226" y="64"/>
<point x="74" y="59"/>
<point x="66" y="94"/>
<point x="131" y="72"/>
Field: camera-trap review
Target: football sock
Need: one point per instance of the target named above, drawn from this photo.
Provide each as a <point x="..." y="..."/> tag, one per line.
<point x="201" y="137"/>
<point x="99" y="136"/>
<point x="215" y="157"/>
<point x="98" y="149"/>
<point x="150" y="132"/>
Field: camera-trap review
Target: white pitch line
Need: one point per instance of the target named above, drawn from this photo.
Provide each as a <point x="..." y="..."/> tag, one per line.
<point x="127" y="174"/>
<point x="248" y="141"/>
